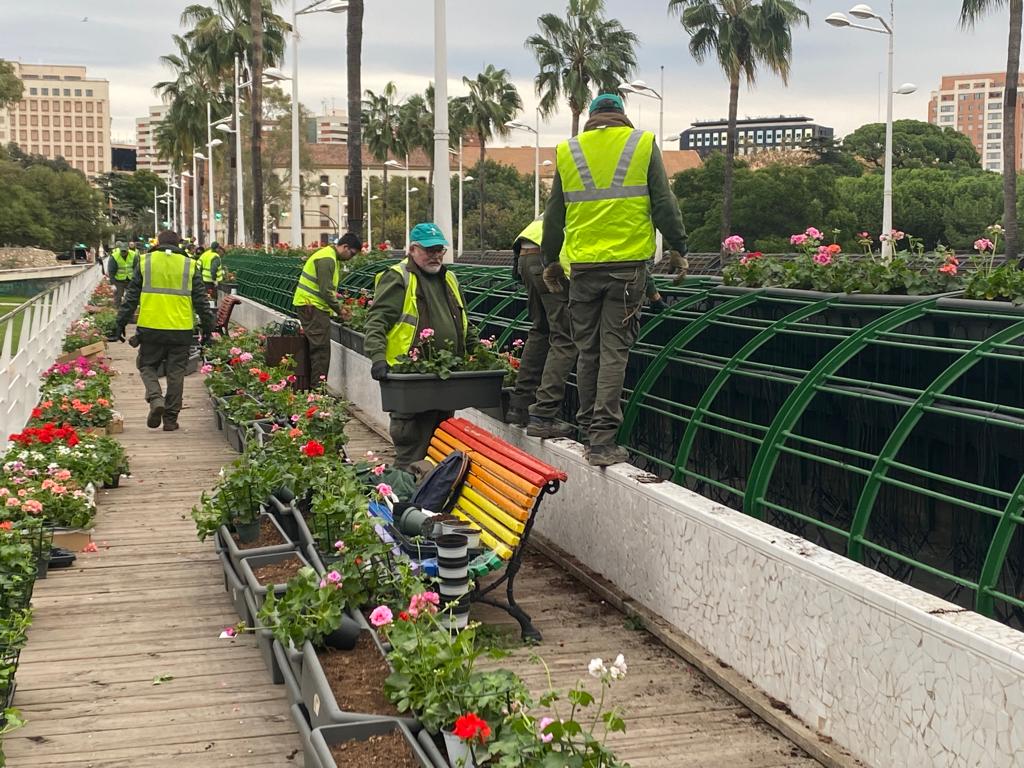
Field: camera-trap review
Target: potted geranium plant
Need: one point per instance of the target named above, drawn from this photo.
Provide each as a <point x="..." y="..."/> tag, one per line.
<point x="432" y="376"/>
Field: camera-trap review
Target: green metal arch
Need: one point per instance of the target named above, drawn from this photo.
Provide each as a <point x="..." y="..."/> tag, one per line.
<point x="684" y="337"/>
<point x="903" y="429"/>
<point x="511" y="327"/>
<point x="802" y="395"/>
<point x="686" y="444"/>
<point x="984" y="601"/>
<point x="487" y="294"/>
<point x="671" y="312"/>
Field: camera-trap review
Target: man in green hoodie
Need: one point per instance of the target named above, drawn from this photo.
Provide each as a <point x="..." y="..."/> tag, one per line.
<point x="415" y="295"/>
<point x="609" y="193"/>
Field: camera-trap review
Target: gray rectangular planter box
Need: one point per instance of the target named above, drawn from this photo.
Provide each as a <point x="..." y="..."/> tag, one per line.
<point x="264" y="642"/>
<point x="288" y="671"/>
<point x="237" y="555"/>
<point x="319" y="698"/>
<point x="309" y="757"/>
<point x="259" y="591"/>
<point x="416" y="392"/>
<point x="236" y="588"/>
<point x="324" y="737"/>
<point x="235" y="435"/>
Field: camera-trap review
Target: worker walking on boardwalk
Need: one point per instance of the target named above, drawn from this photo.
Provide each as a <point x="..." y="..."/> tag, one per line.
<point x="610" y="191"/>
<point x="167" y="289"/>
<point x="120" y="268"/>
<point x="316" y="299"/>
<point x="212" y="266"/>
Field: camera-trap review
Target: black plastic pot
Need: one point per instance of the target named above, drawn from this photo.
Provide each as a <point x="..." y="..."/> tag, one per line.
<point x="247" y="532"/>
<point x="61" y="558"/>
<point x="114" y="482"/>
<point x="452" y="546"/>
<point x="344" y="638"/>
<point x="42" y="566"/>
<point x="237" y="555"/>
<point x="416" y="392"/>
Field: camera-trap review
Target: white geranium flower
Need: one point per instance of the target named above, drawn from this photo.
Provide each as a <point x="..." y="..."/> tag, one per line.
<point x="597" y="668"/>
<point x="618" y="668"/>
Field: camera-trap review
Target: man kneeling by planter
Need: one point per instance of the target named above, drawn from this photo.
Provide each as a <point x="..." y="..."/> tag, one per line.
<point x="415" y="294"/>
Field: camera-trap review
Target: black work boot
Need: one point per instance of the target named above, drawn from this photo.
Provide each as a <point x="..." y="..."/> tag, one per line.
<point x="606" y="455"/>
<point x="170" y="424"/>
<point x="517" y="416"/>
<point x="543" y="428"/>
<point x="156" y="412"/>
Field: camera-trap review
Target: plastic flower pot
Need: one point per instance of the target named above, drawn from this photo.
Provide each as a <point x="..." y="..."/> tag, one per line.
<point x="344" y="638"/>
<point x="417" y="392"/>
<point x="453" y="571"/>
<point x="325" y="737"/>
<point x="459" y="753"/>
<point x="43" y="564"/>
<point x="113" y="482"/>
<point x="412" y="520"/>
<point x="501" y="412"/>
<point x="318" y="696"/>
<point x="455" y="616"/>
<point x="453" y="589"/>
<point x="472" y="535"/>
<point x="452" y="545"/>
<point x="247" y="532"/>
<point x="301" y="720"/>
<point x="237" y="554"/>
<point x="265" y="644"/>
<point x="452" y="524"/>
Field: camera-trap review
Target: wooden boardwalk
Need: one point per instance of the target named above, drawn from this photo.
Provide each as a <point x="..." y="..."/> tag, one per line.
<point x="151" y="602"/>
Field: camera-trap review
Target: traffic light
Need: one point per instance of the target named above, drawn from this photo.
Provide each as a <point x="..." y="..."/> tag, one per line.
<point x="218" y="216"/>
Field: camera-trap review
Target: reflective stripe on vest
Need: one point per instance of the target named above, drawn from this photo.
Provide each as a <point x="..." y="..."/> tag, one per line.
<point x="402" y="334"/>
<point x="166" y="299"/>
<point x="125" y="261"/>
<point x="307" y="290"/>
<point x="604" y="185"/>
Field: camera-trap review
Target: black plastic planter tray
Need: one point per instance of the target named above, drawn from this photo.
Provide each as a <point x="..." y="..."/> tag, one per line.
<point x="61" y="558"/>
<point x="264" y="642"/>
<point x="237" y="555"/>
<point x="326" y="736"/>
<point x="319" y="698"/>
<point x="416" y="392"/>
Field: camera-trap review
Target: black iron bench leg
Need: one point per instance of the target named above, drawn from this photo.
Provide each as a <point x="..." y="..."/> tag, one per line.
<point x="528" y="631"/>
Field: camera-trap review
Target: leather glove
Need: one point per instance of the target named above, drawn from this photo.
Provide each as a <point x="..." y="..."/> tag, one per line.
<point x="116" y="335"/>
<point x="554" y="278"/>
<point x="379" y="371"/>
<point x="658" y="305"/>
<point x="679" y="264"/>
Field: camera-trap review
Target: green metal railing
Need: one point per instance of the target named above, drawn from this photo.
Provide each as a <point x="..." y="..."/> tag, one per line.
<point x="888" y="428"/>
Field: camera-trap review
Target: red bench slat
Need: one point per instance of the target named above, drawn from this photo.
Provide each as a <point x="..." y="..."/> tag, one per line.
<point x="503" y="452"/>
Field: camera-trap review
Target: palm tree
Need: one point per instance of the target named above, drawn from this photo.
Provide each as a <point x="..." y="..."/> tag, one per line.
<point x="579" y="53"/>
<point x="741" y="34"/>
<point x="416" y="126"/>
<point x="381" y="121"/>
<point x="970" y="12"/>
<point x="355" y="115"/>
<point x="491" y="103"/>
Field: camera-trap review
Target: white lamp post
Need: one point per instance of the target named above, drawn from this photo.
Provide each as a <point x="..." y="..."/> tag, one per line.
<point x="864" y="12"/>
<point x="209" y="184"/>
<point x="442" y="177"/>
<point x="398" y="166"/>
<point x="640" y="88"/>
<point x="156" y="216"/>
<point x="318" y="6"/>
<point x="369" y="214"/>
<point x="337" y="194"/>
<point x="516" y="124"/>
<point x="186" y="174"/>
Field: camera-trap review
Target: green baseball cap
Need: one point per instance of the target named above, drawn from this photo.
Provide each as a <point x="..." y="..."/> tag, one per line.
<point x="606" y="101"/>
<point x="427" y="234"/>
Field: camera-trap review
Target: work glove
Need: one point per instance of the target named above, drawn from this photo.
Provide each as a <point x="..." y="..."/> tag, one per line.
<point x="680" y="265"/>
<point x="116" y="335"/>
<point x="379" y="371"/>
<point x="554" y="278"/>
<point x="658" y="305"/>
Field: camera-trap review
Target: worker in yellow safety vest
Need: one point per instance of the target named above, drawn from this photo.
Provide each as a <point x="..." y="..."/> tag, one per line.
<point x="609" y="192"/>
<point x="316" y="299"/>
<point x="417" y="299"/>
<point x="167" y="289"/>
<point x="212" y="267"/>
<point x="120" y="267"/>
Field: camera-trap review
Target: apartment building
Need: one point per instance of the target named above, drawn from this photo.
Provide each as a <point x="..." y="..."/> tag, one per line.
<point x="973" y="105"/>
<point x="63" y="113"/>
<point x="332" y="127"/>
<point x="753" y="134"/>
<point x="145" y="140"/>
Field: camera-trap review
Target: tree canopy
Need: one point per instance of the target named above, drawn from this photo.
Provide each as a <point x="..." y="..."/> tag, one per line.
<point x="915" y="144"/>
<point x="11" y="87"/>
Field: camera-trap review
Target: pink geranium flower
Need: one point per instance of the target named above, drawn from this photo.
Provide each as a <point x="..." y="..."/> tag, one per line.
<point x="381" y="616"/>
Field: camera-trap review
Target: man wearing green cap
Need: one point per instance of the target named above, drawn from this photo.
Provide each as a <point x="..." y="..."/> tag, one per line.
<point x="417" y="294"/>
<point x="609" y="193"/>
<point x="120" y="268"/>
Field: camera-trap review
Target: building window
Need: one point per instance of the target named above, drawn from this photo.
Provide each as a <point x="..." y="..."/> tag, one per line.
<point x="90" y="151"/>
<point x="34" y="120"/>
<point x="78" y="106"/>
<point x="946" y="108"/>
<point x="46" y="121"/>
<point x="963" y="96"/>
<point x="67" y="91"/>
<point x="325" y="216"/>
<point x="67" y="136"/>
<point x="80" y="151"/>
<point x="78" y="122"/>
<point x="994" y="136"/>
<point x="992" y="155"/>
<point x="56" y="104"/>
<point x="35" y="135"/>
<point x="89" y="122"/>
<point x="46" y="135"/>
<point x="760" y="137"/>
<point x="67" y="106"/>
<point x="44" y="91"/>
<point x="99" y="107"/>
<point x="992" y="166"/>
<point x="44" y="106"/>
<point x="46" y="150"/>
<point x="90" y="165"/>
<point x="89" y="107"/>
<point x="994" y="145"/>
<point x="67" y="121"/>
<point x="947" y="118"/>
<point x="714" y="139"/>
<point x="22" y="119"/>
<point x="33" y="92"/>
<point x="99" y="166"/>
<point x="78" y="91"/>
<point x="90" y="136"/>
<point x="88" y="92"/>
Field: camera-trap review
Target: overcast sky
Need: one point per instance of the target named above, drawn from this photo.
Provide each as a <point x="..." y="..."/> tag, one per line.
<point x="835" y="77"/>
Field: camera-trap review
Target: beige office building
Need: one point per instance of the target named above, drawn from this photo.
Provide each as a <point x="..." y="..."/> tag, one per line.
<point x="145" y="139"/>
<point x="63" y="113"/>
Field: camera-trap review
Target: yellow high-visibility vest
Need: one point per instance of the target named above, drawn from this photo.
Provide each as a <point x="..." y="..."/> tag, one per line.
<point x="125" y="261"/>
<point x="308" y="289"/>
<point x="607" y="205"/>
<point x="166" y="300"/>
<point x="206" y="262"/>
<point x="534" y="232"/>
<point x="403" y="333"/>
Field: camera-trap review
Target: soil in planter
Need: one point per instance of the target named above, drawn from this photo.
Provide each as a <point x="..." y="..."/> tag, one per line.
<point x="388" y="751"/>
<point x="277" y="573"/>
<point x="269" y="536"/>
<point x="357" y="679"/>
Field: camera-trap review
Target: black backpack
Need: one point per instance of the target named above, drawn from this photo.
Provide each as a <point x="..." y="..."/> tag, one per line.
<point x="440" y="488"/>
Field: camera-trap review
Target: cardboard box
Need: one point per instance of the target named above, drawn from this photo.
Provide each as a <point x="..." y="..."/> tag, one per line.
<point x="74" y="539"/>
<point x="116" y="426"/>
<point x="91" y="351"/>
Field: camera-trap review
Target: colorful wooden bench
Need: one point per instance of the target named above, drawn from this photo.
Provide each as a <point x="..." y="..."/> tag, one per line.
<point x="501" y="496"/>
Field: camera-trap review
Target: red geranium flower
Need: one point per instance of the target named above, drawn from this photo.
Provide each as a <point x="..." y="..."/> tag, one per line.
<point x="403" y="615"/>
<point x="471" y="727"/>
<point x="310" y="411"/>
<point x="264" y="377"/>
<point x="313" y="448"/>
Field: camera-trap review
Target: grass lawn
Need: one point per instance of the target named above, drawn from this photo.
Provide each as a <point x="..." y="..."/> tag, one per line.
<point x="8" y="304"/>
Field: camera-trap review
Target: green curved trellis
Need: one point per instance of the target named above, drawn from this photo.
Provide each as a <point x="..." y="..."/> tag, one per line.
<point x="748" y="321"/>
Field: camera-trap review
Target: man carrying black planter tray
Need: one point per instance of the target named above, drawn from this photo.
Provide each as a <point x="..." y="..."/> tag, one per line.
<point x="416" y="294"/>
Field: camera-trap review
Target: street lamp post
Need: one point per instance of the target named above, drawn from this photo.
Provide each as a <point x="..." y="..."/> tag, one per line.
<point x="318" y="6"/>
<point x="536" y="158"/>
<point x="442" y="177"/>
<point x="195" y="196"/>
<point x="864" y="12"/>
<point x="640" y="88"/>
<point x="156" y="216"/>
<point x="398" y="166"/>
<point x="186" y="174"/>
<point x="369" y="214"/>
<point x="337" y="194"/>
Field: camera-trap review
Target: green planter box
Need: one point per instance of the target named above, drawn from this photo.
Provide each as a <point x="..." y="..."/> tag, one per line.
<point x="416" y="392"/>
